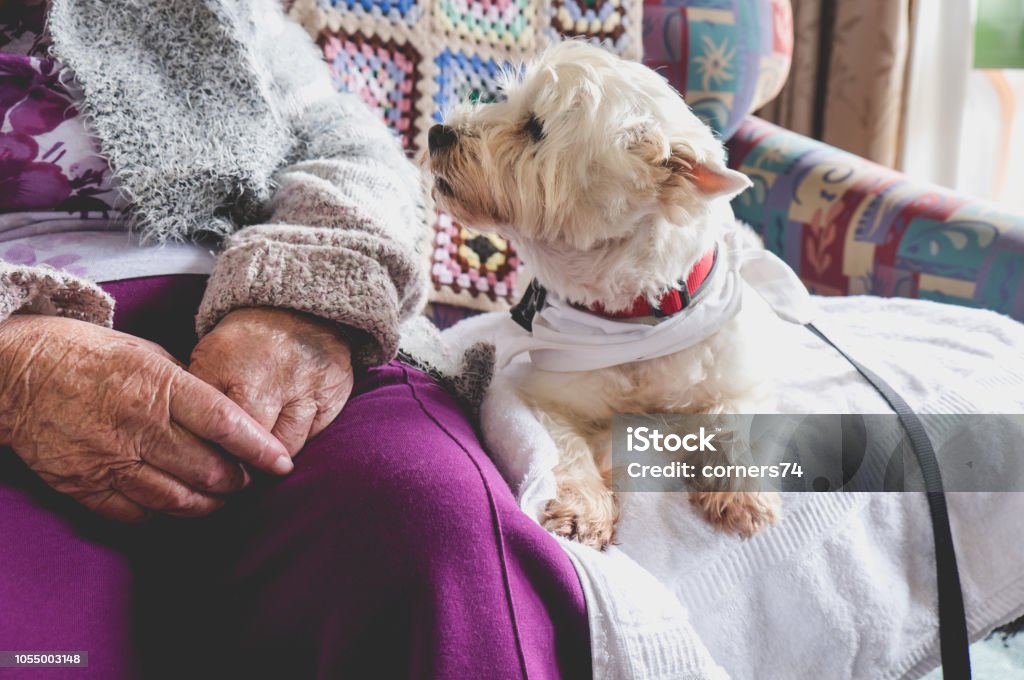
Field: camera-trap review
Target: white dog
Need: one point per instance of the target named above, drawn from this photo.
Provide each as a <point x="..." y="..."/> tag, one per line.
<point x="616" y="194"/>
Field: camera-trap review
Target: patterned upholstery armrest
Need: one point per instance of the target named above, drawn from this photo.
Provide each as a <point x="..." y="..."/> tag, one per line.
<point x="849" y="226"/>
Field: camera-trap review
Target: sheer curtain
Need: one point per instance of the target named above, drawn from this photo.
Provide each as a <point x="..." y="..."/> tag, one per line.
<point x="940" y="62"/>
<point x="964" y="126"/>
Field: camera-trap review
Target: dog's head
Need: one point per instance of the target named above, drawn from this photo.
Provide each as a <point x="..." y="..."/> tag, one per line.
<point x="595" y="168"/>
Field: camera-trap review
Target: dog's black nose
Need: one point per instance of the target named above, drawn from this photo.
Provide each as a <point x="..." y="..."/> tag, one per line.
<point x="440" y="137"/>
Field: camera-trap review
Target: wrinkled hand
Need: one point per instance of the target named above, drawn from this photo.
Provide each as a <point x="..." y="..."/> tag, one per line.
<point x="290" y="371"/>
<point x="115" y="422"/>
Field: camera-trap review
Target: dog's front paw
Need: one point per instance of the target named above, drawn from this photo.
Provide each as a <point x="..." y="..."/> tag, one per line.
<point x="739" y="512"/>
<point x="587" y="515"/>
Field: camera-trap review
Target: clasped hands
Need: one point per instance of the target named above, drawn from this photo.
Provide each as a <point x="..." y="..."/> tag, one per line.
<point x="117" y="423"/>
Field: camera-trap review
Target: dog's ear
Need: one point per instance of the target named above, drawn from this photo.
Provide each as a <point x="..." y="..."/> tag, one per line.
<point x="710" y="178"/>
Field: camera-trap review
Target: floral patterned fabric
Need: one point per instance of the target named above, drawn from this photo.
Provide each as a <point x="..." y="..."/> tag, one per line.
<point x="849" y="226"/>
<point x="50" y="168"/>
<point x="59" y="201"/>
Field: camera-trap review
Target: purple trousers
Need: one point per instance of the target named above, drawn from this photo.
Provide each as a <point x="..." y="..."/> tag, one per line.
<point x="394" y="549"/>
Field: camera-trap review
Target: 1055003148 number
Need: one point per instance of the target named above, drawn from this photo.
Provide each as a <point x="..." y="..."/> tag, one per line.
<point x="44" y="659"/>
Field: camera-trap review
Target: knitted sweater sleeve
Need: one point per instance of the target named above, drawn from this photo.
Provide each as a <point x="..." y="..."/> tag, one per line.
<point x="43" y="290"/>
<point x="346" y="222"/>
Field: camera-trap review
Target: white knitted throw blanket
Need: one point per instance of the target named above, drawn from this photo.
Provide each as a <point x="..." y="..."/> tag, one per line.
<point x="844" y="586"/>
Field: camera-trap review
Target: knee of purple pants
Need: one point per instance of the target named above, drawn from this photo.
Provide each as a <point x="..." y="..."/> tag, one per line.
<point x="65" y="581"/>
<point x="395" y="512"/>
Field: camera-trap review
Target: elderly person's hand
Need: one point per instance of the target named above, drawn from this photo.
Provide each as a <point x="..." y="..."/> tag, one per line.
<point x="118" y="424"/>
<point x="290" y="371"/>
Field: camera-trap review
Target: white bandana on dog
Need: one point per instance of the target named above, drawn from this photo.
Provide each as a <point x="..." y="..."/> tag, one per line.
<point x="565" y="338"/>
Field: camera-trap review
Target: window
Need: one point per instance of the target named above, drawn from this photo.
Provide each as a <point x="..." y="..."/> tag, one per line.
<point x="992" y="142"/>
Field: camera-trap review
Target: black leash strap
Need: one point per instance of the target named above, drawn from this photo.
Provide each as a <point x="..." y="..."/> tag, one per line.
<point x="953" y="640"/>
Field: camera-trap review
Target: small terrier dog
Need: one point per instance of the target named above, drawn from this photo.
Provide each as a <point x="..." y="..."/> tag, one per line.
<point x="615" y="193"/>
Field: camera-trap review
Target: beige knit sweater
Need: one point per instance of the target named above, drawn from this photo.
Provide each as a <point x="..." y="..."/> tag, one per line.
<point x="218" y="117"/>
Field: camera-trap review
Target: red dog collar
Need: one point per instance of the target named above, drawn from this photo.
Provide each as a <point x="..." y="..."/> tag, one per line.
<point x="675" y="300"/>
<point x="672" y="301"/>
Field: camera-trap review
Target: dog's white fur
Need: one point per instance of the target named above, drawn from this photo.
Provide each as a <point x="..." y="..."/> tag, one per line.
<point x="611" y="188"/>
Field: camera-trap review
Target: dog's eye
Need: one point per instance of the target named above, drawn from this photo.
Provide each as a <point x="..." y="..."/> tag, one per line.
<point x="486" y="97"/>
<point x="535" y="128"/>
